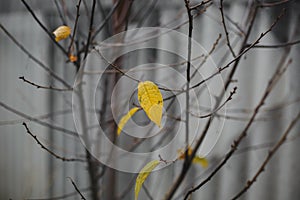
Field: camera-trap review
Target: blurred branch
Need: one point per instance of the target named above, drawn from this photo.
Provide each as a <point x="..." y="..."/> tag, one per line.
<point x="69" y="132"/>
<point x="272" y="4"/>
<point x="48" y="150"/>
<point x="271" y="153"/>
<point x="44" y="116"/>
<point x="63" y="20"/>
<point x="105" y="21"/>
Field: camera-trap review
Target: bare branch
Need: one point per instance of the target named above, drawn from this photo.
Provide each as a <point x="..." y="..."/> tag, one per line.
<point x="276" y="76"/>
<point x="44" y="87"/>
<point x="217" y="109"/>
<point x="47" y="69"/>
<point x="277" y="45"/>
<point x="76" y="188"/>
<point x="225" y="29"/>
<point x="91" y="30"/>
<point x="48" y="150"/>
<point x="43" y="27"/>
<point x="271" y="153"/>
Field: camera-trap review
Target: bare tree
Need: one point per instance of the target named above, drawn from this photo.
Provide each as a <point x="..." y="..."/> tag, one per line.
<point x="197" y="57"/>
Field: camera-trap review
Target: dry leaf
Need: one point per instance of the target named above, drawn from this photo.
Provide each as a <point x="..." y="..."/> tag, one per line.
<point x="151" y="101"/>
<point x="144" y="173"/>
<point x="62" y="32"/>
<point x="197" y="159"/>
<point x="200" y="160"/>
<point x="125" y="118"/>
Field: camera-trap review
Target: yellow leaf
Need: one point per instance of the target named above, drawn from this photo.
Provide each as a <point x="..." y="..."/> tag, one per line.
<point x="151" y="101"/>
<point x="197" y="159"/>
<point x="144" y="173"/>
<point x="200" y="160"/>
<point x="62" y="32"/>
<point x="125" y="118"/>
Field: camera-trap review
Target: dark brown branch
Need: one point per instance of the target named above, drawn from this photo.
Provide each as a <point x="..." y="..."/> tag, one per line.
<point x="188" y="78"/>
<point x="187" y="159"/>
<point x="75" y="27"/>
<point x="277" y="45"/>
<point x="91" y="30"/>
<point x="43" y="27"/>
<point x="47" y="69"/>
<point x="276" y="76"/>
<point x="271" y="153"/>
<point x="225" y="29"/>
<point x="48" y="150"/>
<point x="76" y="188"/>
<point x="44" y="87"/>
<point x="221" y="106"/>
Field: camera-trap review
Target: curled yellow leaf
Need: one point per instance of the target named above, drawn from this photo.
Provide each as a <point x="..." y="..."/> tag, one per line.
<point x="62" y="32"/>
<point x="144" y="173"/>
<point x="151" y="101"/>
<point x="125" y="118"/>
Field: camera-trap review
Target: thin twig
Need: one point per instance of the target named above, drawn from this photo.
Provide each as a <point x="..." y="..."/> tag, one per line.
<point x="48" y="150"/>
<point x="277" y="45"/>
<point x="225" y="29"/>
<point x="221" y="106"/>
<point x="271" y="153"/>
<point x="76" y="188"/>
<point x="42" y="65"/>
<point x="44" y="87"/>
<point x="43" y="27"/>
<point x="116" y="67"/>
